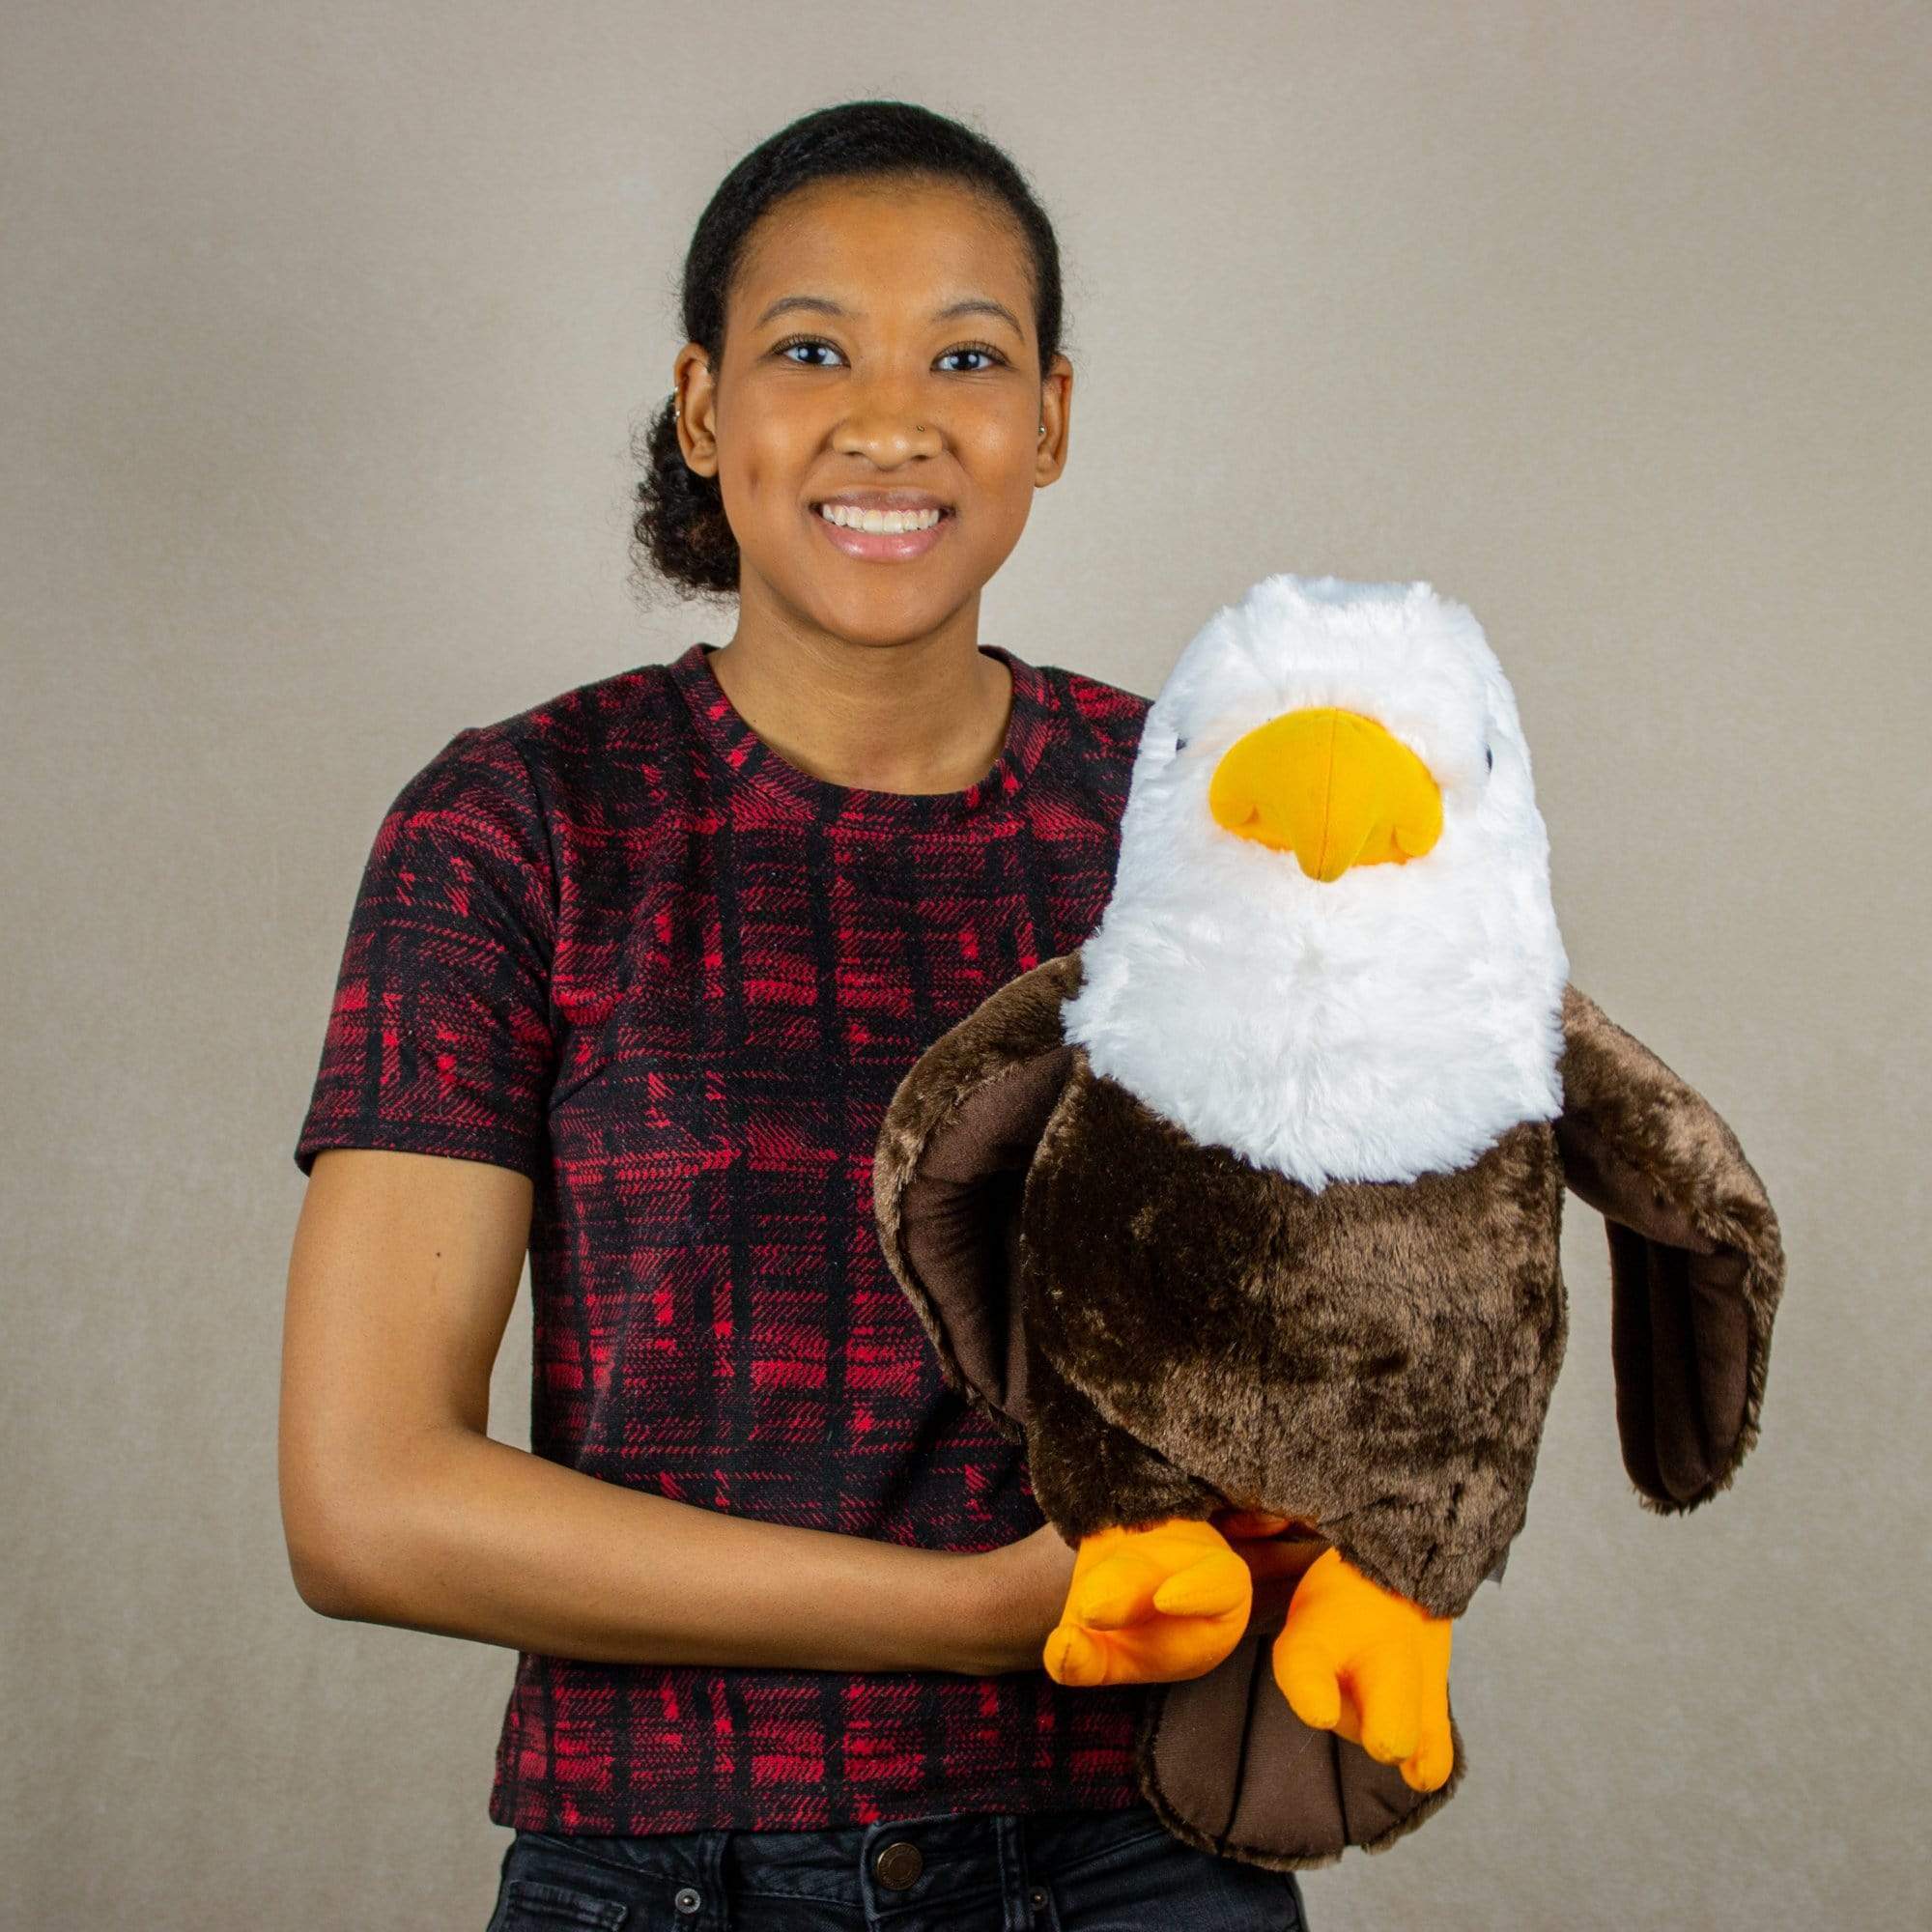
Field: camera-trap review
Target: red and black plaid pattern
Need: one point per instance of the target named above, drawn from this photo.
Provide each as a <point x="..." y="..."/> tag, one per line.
<point x="617" y="943"/>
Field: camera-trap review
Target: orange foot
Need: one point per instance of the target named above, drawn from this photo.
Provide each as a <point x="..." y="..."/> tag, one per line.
<point x="1355" y="1658"/>
<point x="1152" y="1604"/>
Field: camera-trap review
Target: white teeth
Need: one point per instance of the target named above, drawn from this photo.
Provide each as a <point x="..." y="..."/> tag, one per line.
<point x="895" y="521"/>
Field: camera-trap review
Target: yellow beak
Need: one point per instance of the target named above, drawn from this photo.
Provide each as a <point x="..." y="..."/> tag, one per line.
<point x="1331" y="786"/>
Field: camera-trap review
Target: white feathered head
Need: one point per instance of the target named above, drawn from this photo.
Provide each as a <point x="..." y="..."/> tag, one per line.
<point x="1331" y="944"/>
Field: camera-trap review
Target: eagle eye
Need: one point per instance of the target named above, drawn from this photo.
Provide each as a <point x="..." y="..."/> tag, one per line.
<point x="1490" y="756"/>
<point x="1180" y="744"/>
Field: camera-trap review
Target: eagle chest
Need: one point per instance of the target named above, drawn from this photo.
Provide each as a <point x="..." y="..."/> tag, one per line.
<point x="1316" y="1351"/>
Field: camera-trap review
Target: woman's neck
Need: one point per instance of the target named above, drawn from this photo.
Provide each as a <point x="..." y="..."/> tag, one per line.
<point x="929" y="716"/>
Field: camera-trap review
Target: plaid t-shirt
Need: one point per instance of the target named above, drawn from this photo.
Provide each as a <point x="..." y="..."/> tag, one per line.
<point x="617" y="943"/>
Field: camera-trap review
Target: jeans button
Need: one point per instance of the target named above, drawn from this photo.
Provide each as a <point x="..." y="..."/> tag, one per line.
<point x="898" y="1864"/>
<point x="687" y="1898"/>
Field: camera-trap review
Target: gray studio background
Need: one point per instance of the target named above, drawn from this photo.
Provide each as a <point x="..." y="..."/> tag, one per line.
<point x="324" y="331"/>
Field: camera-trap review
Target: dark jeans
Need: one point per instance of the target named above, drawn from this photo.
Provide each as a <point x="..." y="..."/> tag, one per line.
<point x="950" y="1871"/>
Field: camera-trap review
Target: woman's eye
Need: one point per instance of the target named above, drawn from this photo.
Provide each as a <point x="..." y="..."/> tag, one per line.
<point x="980" y="348"/>
<point x="785" y="349"/>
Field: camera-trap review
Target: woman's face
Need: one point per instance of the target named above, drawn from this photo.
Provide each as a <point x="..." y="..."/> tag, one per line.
<point x="861" y="382"/>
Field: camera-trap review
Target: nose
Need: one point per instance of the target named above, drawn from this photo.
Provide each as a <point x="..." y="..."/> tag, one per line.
<point x="882" y="421"/>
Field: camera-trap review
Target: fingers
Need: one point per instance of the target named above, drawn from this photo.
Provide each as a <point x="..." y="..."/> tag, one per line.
<point x="1072" y="1656"/>
<point x="1434" y="1756"/>
<point x="1430" y="1768"/>
<point x="1386" y="1679"/>
<point x="1309" y="1671"/>
<point x="1152" y="1605"/>
<point x="1219" y="1583"/>
<point x="1169" y="1649"/>
<point x="1164" y="1650"/>
<point x="1384" y="1686"/>
<point x="1115" y="1591"/>
<point x="1152" y="1575"/>
<point x="1373" y="1668"/>
<point x="1350" y="1724"/>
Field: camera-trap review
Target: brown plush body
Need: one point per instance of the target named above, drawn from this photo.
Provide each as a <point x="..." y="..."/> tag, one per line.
<point x="1171" y="1331"/>
<point x="1376" y="1358"/>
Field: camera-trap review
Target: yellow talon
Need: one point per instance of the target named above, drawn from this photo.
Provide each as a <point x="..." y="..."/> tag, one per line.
<point x="1372" y="1667"/>
<point x="1152" y="1604"/>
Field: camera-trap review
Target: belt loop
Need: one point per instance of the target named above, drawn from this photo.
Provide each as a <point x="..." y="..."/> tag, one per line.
<point x="710" y="1912"/>
<point x="1017" y="1906"/>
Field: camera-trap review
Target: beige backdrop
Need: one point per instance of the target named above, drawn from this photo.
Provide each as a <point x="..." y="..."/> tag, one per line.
<point x="323" y="329"/>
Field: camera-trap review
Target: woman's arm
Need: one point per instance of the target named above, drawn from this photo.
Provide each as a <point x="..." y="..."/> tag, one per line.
<point x="398" y="1508"/>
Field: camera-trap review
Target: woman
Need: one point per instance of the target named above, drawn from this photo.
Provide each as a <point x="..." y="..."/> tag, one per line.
<point x="631" y="980"/>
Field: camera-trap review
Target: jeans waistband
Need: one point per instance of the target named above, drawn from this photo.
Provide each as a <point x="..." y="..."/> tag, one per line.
<point x="954" y="1856"/>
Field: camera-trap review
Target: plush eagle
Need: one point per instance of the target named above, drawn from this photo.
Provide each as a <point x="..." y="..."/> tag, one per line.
<point x="1244" y="1217"/>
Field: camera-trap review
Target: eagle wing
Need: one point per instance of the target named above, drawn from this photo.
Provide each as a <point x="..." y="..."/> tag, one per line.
<point x="949" y="1170"/>
<point x="1696" y="1265"/>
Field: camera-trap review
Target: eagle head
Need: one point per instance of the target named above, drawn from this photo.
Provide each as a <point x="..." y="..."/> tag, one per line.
<point x="1330" y="943"/>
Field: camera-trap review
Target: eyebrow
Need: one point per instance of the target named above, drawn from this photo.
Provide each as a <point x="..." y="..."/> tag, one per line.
<point x="973" y="306"/>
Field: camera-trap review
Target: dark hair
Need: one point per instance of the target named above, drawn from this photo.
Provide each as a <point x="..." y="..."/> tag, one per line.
<point x="680" y="533"/>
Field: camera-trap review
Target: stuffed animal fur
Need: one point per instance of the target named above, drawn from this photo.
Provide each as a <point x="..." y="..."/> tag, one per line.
<point x="1245" y="1215"/>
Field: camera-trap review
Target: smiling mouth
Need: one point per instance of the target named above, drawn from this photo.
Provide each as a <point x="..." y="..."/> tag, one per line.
<point x="818" y="510"/>
<point x="883" y="546"/>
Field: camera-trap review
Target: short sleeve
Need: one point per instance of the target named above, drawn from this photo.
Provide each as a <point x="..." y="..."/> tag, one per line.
<point x="439" y="1038"/>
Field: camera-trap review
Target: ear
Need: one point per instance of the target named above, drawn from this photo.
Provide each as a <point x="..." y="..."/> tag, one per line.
<point x="1696" y="1263"/>
<point x="949" y="1173"/>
